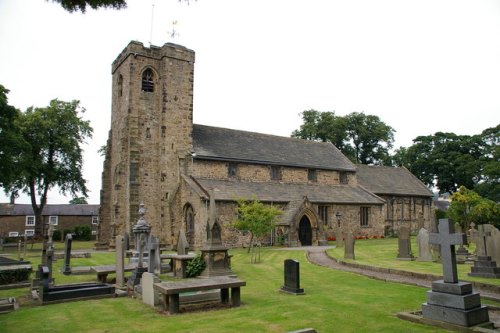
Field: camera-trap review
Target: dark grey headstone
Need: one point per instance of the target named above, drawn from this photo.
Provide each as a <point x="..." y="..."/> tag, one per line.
<point x="292" y="277"/>
<point x="67" y="254"/>
<point x="404" y="244"/>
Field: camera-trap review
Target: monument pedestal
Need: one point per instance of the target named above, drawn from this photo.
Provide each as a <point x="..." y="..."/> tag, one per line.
<point x="485" y="267"/>
<point x="454" y="303"/>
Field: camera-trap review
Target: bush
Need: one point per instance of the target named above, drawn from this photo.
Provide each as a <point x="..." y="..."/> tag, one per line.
<point x="8" y="276"/>
<point x="83" y="233"/>
<point x="195" y="266"/>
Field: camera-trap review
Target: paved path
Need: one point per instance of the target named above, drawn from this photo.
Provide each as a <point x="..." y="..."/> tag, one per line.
<point x="318" y="256"/>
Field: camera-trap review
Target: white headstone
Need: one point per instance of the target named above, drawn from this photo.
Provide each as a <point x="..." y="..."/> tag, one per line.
<point x="149" y="295"/>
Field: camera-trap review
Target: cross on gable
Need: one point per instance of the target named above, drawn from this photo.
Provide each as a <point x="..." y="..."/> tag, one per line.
<point x="447" y="239"/>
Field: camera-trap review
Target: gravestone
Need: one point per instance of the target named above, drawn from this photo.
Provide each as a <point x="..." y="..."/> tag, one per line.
<point x="424" y="248"/>
<point x="182" y="243"/>
<point x="339" y="237"/>
<point x="213" y="252"/>
<point x="67" y="254"/>
<point x="404" y="244"/>
<point x="292" y="278"/>
<point x="126" y="242"/>
<point x="154" y="249"/>
<point x="149" y="295"/>
<point x="484" y="265"/>
<point x="452" y="301"/>
<point x="120" y="261"/>
<point x="349" y="246"/>
<point x="472" y="235"/>
<point x="492" y="242"/>
<point x="461" y="252"/>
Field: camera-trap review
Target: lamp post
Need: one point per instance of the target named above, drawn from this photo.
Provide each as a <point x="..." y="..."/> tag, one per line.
<point x="338" y="215"/>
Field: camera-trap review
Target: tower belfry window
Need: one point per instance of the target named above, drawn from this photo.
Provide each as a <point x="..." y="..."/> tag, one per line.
<point x="148" y="80"/>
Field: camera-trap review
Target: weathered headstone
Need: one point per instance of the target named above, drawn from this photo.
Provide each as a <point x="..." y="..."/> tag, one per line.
<point x="349" y="246"/>
<point x="182" y="243"/>
<point x="472" y="235"/>
<point x="424" y="248"/>
<point x="484" y="265"/>
<point x="461" y="252"/>
<point x="452" y="301"/>
<point x="292" y="277"/>
<point x="67" y="254"/>
<point x="404" y="244"/>
<point x="492" y="242"/>
<point x="339" y="237"/>
<point x="149" y="295"/>
<point x="120" y="261"/>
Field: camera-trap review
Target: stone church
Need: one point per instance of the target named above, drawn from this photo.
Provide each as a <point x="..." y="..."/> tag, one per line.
<point x="157" y="156"/>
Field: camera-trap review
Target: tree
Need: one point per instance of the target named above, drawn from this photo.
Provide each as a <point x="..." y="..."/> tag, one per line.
<point x="54" y="157"/>
<point x="362" y="138"/>
<point x="13" y="145"/>
<point x="467" y="206"/>
<point x="78" y="201"/>
<point x="257" y="218"/>
<point x="76" y="5"/>
<point x="448" y="161"/>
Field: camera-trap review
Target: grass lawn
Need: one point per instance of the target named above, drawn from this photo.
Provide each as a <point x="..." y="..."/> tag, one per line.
<point x="383" y="253"/>
<point x="334" y="302"/>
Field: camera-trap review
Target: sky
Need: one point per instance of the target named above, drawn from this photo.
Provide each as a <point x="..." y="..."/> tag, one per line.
<point x="421" y="66"/>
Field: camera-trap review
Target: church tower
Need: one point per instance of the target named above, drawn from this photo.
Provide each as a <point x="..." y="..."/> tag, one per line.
<point x="150" y="140"/>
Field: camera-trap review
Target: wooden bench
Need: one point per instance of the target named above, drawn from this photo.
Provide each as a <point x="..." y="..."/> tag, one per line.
<point x="103" y="271"/>
<point x="170" y="290"/>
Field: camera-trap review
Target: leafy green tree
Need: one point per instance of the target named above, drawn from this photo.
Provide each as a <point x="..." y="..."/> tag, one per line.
<point x="78" y="201"/>
<point x="12" y="143"/>
<point x="81" y="5"/>
<point x="448" y="161"/>
<point x="256" y="218"/>
<point x="467" y="206"/>
<point x="362" y="138"/>
<point x="54" y="158"/>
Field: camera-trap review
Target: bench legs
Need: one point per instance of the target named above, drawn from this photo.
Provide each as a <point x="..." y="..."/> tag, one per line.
<point x="172" y="303"/>
<point x="224" y="296"/>
<point x="102" y="277"/>
<point x="235" y="296"/>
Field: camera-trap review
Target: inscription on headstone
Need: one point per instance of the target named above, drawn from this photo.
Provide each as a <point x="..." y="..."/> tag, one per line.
<point x="292" y="277"/>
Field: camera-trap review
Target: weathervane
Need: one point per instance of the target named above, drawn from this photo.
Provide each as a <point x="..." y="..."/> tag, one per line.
<point x="174" y="32"/>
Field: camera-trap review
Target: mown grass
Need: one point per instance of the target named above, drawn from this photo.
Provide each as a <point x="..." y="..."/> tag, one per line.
<point x="383" y="253"/>
<point x="334" y="302"/>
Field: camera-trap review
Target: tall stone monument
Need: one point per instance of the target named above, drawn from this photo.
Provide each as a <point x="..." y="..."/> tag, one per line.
<point x="424" y="249"/>
<point x="67" y="254"/>
<point x="349" y="246"/>
<point x="213" y="252"/>
<point x="452" y="301"/>
<point x="141" y="232"/>
<point x="404" y="244"/>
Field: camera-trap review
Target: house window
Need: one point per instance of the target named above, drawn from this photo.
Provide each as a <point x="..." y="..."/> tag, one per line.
<point x="364" y="213"/>
<point x="95" y="220"/>
<point x="323" y="213"/>
<point x="30" y="221"/>
<point x="53" y="220"/>
<point x="231" y="169"/>
<point x="13" y="234"/>
<point x="312" y="175"/>
<point x="275" y="172"/>
<point x="343" y="177"/>
<point x="29" y="232"/>
<point x="147" y="80"/>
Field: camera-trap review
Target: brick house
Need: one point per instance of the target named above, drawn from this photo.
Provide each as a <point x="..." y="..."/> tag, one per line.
<point x="156" y="155"/>
<point x="19" y="219"/>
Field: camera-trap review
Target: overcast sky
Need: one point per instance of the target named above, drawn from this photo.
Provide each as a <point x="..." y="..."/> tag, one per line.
<point x="422" y="66"/>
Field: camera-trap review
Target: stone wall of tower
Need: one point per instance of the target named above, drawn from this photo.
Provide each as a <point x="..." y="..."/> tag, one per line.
<point x="150" y="137"/>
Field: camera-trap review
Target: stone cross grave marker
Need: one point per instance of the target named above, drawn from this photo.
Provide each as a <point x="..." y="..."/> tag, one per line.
<point x="292" y="277"/>
<point x="349" y="246"/>
<point x="67" y="254"/>
<point x="447" y="239"/>
<point x="120" y="261"/>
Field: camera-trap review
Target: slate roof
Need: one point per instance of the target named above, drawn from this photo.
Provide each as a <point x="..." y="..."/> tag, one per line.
<point x="227" y="190"/>
<point x="217" y="143"/>
<point x="49" y="210"/>
<point x="390" y="181"/>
